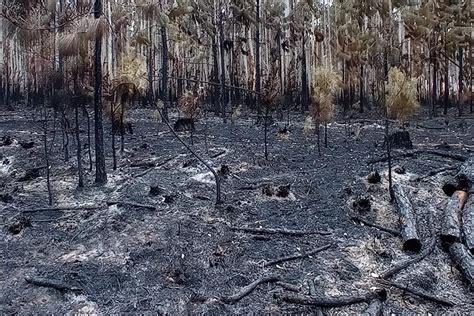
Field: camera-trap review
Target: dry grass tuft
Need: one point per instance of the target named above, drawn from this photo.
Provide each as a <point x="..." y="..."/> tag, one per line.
<point x="326" y="83"/>
<point x="402" y="95"/>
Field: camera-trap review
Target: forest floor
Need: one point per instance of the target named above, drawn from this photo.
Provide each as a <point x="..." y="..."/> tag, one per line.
<point x="172" y="251"/>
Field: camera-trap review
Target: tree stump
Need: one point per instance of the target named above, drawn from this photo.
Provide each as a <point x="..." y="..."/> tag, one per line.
<point x="399" y="139"/>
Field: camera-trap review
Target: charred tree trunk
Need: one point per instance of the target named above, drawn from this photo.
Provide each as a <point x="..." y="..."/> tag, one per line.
<point x="304" y="76"/>
<point x="446" y="77"/>
<point x="468" y="223"/>
<point x="257" y="62"/>
<point x="79" y="149"/>
<point x="222" y="59"/>
<point x="451" y="228"/>
<point x="407" y="218"/>
<point x="164" y="69"/>
<point x="100" y="174"/>
<point x="434" y="96"/>
<point x="113" y="123"/>
<point x="46" y="156"/>
<point x="361" y="87"/>
<point x="215" y="94"/>
<point x="463" y="261"/>
<point x="460" y="82"/>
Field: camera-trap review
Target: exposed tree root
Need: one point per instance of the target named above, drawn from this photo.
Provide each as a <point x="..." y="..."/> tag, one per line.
<point x="416" y="292"/>
<point x="329" y="301"/>
<point x="249" y="288"/>
<point x="281" y="231"/>
<point x="358" y="219"/>
<point x="294" y="257"/>
<point x="52" y="284"/>
<point x="422" y="255"/>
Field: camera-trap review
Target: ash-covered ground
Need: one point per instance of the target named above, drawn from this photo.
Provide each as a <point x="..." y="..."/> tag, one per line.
<point x="172" y="251"/>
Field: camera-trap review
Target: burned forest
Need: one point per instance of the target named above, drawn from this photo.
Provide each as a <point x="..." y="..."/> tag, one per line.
<point x="221" y="157"/>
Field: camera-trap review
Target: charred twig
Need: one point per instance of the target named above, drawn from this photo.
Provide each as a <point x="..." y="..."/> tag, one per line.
<point x="288" y="286"/>
<point x="52" y="284"/>
<point x="403" y="265"/>
<point x="434" y="173"/>
<point x="416" y="292"/>
<point x="358" y="219"/>
<point x="65" y="208"/>
<point x="217" y="155"/>
<point x="281" y="231"/>
<point x="294" y="257"/>
<point x="138" y="205"/>
<point x="329" y="301"/>
<point x="249" y="288"/>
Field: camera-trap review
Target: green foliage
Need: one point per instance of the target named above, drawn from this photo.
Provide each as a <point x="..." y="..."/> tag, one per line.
<point x="326" y="82"/>
<point x="401" y="95"/>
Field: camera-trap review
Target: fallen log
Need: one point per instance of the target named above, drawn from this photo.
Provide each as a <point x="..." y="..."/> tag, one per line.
<point x="422" y="255"/>
<point x="330" y="301"/>
<point x="249" y="288"/>
<point x="60" y="286"/>
<point x="465" y="175"/>
<point x="413" y="153"/>
<point x="375" y="308"/>
<point x="358" y="219"/>
<point x="407" y="219"/>
<point x="64" y="208"/>
<point x="294" y="257"/>
<point x="463" y="261"/>
<point x="451" y="227"/>
<point x="468" y="223"/>
<point x="434" y="173"/>
<point x="416" y="292"/>
<point x="281" y="231"/>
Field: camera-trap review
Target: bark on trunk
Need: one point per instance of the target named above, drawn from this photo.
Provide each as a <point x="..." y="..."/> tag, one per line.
<point x="463" y="261"/>
<point x="100" y="174"/>
<point x="451" y="228"/>
<point x="407" y="218"/>
<point x="468" y="223"/>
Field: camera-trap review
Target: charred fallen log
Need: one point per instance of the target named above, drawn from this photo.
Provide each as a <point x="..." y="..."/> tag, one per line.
<point x="407" y="219"/>
<point x="451" y="226"/>
<point x="463" y="261"/>
<point x="331" y="301"/>
<point x="468" y="223"/>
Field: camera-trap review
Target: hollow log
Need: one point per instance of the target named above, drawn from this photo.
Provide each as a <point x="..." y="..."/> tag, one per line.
<point x="451" y="226"/>
<point x="468" y="223"/>
<point x="463" y="261"/>
<point x="407" y="219"/>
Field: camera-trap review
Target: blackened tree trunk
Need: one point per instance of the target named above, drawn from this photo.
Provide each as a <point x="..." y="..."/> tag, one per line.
<point x="222" y="60"/>
<point x="100" y="174"/>
<point x="304" y="77"/>
<point x="215" y="94"/>
<point x="446" y="78"/>
<point x="257" y="62"/>
<point x="460" y="82"/>
<point x="361" y="87"/>
<point x="164" y="69"/>
<point x="79" y="148"/>
<point x="434" y="96"/>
